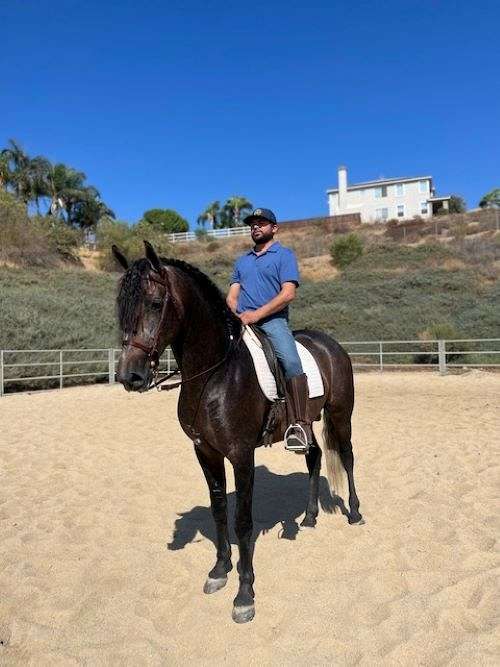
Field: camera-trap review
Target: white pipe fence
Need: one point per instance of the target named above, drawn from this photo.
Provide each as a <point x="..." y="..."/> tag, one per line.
<point x="225" y="232"/>
<point x="100" y="363"/>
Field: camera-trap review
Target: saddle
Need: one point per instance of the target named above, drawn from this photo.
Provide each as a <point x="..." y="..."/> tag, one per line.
<point x="272" y="361"/>
<point x="271" y="379"/>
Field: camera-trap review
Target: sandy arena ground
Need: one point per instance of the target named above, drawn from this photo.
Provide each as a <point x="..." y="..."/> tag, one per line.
<point x="106" y="535"/>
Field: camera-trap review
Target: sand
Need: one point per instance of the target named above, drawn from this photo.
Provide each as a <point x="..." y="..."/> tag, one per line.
<point x="106" y="535"/>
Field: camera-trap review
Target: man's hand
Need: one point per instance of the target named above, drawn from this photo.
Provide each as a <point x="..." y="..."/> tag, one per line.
<point x="249" y="317"/>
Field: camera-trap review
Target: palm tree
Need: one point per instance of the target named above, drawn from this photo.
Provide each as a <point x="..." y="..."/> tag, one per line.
<point x="65" y="186"/>
<point x="90" y="209"/>
<point x="5" y="174"/>
<point x="38" y="179"/>
<point x="210" y="215"/>
<point x="27" y="176"/>
<point x="235" y="205"/>
<point x="18" y="163"/>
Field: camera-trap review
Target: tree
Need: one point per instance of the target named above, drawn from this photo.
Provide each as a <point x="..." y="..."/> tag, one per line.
<point x="65" y="187"/>
<point x="457" y="204"/>
<point x="232" y="210"/>
<point x="90" y="209"/>
<point x="491" y="199"/>
<point x="17" y="163"/>
<point x="25" y="175"/>
<point x="5" y="175"/>
<point x="210" y="215"/>
<point x="165" y="219"/>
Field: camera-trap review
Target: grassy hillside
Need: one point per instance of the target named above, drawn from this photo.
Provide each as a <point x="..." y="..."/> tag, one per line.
<point x="392" y="291"/>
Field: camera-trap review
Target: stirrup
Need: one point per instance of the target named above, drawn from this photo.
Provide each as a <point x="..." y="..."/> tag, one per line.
<point x="296" y="439"/>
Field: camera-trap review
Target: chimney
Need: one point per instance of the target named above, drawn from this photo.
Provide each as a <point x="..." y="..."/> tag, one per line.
<point x="342" y="177"/>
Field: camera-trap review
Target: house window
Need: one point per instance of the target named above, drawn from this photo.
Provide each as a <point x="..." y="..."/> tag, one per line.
<point x="423" y="187"/>
<point x="381" y="213"/>
<point x="424" y="209"/>
<point x="401" y="210"/>
<point x="381" y="191"/>
<point x="400" y="189"/>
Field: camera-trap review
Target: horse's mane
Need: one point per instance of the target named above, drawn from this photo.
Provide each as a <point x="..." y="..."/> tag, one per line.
<point x="131" y="292"/>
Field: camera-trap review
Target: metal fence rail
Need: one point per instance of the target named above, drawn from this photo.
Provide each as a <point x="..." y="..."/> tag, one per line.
<point x="21" y="366"/>
<point x="15" y="366"/>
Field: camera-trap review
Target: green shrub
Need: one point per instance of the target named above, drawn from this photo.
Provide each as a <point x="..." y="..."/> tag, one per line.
<point x="66" y="240"/>
<point x="130" y="240"/>
<point x="345" y="249"/>
<point x="201" y="234"/>
<point x="213" y="246"/>
<point x="439" y="331"/>
<point x="23" y="240"/>
<point x="165" y="220"/>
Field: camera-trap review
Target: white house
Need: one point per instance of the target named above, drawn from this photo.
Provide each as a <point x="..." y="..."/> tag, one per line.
<point x="386" y="198"/>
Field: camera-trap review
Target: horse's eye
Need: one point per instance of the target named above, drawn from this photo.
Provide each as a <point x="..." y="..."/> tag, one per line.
<point x="156" y="305"/>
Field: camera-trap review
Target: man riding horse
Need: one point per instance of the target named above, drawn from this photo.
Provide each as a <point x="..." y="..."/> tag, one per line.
<point x="263" y="284"/>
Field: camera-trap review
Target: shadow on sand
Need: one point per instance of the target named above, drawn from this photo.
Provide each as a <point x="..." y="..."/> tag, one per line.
<point x="278" y="499"/>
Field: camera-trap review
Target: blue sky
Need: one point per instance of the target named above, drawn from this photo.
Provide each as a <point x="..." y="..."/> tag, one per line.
<point x="175" y="104"/>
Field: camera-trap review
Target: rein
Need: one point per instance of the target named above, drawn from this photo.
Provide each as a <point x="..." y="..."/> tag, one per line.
<point x="193" y="377"/>
<point x="152" y="350"/>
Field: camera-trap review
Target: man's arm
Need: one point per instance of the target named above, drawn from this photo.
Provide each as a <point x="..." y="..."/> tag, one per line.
<point x="280" y="301"/>
<point x="232" y="296"/>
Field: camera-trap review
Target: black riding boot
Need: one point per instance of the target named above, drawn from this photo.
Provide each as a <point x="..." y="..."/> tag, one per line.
<point x="298" y="435"/>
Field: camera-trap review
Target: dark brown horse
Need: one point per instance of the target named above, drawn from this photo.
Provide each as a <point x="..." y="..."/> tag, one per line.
<point x="221" y="406"/>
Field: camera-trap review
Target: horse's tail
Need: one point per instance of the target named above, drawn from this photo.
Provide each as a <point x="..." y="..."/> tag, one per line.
<point x="334" y="467"/>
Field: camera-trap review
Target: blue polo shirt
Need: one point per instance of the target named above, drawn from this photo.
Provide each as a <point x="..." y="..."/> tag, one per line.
<point x="261" y="277"/>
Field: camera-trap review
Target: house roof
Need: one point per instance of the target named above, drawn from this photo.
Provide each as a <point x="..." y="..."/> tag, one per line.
<point x="382" y="181"/>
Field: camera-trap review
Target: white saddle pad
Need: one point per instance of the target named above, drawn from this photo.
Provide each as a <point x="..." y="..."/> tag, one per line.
<point x="266" y="379"/>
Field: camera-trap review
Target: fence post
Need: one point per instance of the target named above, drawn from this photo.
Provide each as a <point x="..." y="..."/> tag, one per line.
<point x="381" y="356"/>
<point x="1" y="373"/>
<point x="111" y="365"/>
<point x="442" y="356"/>
<point x="61" y="369"/>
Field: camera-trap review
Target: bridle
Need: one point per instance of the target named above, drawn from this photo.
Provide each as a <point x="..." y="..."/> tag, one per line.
<point x="152" y="349"/>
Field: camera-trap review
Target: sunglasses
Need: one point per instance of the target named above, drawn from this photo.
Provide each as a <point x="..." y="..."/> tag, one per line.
<point x="260" y="224"/>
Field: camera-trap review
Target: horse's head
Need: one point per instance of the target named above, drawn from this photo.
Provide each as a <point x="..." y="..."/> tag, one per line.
<point x="149" y="318"/>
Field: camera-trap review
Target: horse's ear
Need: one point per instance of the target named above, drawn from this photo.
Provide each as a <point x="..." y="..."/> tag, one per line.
<point x="120" y="257"/>
<point x="153" y="257"/>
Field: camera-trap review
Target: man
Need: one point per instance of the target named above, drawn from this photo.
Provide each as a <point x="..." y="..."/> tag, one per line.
<point x="263" y="284"/>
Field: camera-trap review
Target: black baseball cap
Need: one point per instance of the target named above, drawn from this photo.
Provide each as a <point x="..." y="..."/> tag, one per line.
<point x="261" y="214"/>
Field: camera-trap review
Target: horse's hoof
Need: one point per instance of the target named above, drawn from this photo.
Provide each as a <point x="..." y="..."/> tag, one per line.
<point x="357" y="522"/>
<point x="213" y="585"/>
<point x="308" y="522"/>
<point x="243" y="614"/>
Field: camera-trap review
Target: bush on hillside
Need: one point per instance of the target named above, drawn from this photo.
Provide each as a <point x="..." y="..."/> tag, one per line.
<point x="345" y="249"/>
<point x="201" y="234"/>
<point x="439" y="331"/>
<point x="23" y="240"/>
<point x="130" y="240"/>
<point x="66" y="240"/>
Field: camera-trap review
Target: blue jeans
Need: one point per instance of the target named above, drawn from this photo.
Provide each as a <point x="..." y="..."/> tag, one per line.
<point x="283" y="342"/>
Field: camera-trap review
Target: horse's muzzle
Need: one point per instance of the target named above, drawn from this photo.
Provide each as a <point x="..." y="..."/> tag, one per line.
<point x="133" y="381"/>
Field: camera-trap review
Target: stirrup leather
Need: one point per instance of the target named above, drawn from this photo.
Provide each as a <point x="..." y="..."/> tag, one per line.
<point x="296" y="439"/>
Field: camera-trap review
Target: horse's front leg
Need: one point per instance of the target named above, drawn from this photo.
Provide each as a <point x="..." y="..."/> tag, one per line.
<point x="212" y="463"/>
<point x="244" y="609"/>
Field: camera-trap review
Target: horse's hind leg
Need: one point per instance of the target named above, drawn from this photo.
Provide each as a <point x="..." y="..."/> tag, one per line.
<point x="212" y="464"/>
<point x="347" y="458"/>
<point x="338" y="438"/>
<point x="313" y="460"/>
